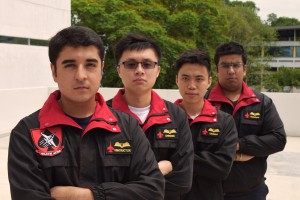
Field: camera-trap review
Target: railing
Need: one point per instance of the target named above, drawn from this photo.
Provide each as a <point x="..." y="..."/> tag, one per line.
<point x="283" y="62"/>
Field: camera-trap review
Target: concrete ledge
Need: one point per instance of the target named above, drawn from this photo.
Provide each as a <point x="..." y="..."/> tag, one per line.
<point x="20" y="102"/>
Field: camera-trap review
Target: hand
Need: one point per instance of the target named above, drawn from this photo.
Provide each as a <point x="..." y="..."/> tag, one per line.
<point x="165" y="167"/>
<point x="240" y="157"/>
<point x="237" y="146"/>
<point x="71" y="193"/>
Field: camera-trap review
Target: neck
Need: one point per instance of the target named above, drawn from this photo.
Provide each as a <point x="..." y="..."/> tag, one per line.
<point x="193" y="108"/>
<point x="78" y="110"/>
<point x="233" y="95"/>
<point x="137" y="100"/>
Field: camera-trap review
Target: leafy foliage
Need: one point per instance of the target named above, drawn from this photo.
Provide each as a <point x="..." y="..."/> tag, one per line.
<point x="273" y="20"/>
<point x="177" y="25"/>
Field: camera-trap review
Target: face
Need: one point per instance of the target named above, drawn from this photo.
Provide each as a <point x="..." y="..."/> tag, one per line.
<point x="193" y="80"/>
<point x="229" y="76"/>
<point x="138" y="80"/>
<point x="78" y="74"/>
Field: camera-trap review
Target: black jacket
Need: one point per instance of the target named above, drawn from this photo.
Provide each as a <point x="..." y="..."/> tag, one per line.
<point x="215" y="139"/>
<point x="167" y="129"/>
<point x="111" y="156"/>
<point x="260" y="132"/>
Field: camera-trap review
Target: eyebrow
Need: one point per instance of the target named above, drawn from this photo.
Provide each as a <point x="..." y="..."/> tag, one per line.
<point x="92" y="60"/>
<point x="193" y="75"/>
<point x="67" y="61"/>
<point x="143" y="60"/>
<point x="72" y="60"/>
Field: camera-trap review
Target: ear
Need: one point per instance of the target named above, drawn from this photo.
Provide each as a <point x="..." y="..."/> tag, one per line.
<point x="245" y="68"/>
<point x="119" y="71"/>
<point x="54" y="73"/>
<point x="158" y="71"/>
<point x="176" y="79"/>
<point x="209" y="81"/>
<point x="102" y="67"/>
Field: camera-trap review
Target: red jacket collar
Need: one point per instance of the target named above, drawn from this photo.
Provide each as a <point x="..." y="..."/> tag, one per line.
<point x="158" y="110"/>
<point x="247" y="96"/>
<point x="208" y="112"/>
<point x="52" y="115"/>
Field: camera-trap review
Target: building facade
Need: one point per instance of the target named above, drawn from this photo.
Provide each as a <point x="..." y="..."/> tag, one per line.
<point x="25" y="28"/>
<point x="286" y="51"/>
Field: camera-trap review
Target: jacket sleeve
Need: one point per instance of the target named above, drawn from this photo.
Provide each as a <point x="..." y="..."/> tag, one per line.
<point x="216" y="165"/>
<point x="179" y="181"/>
<point x="146" y="180"/>
<point x="26" y="178"/>
<point x="272" y="136"/>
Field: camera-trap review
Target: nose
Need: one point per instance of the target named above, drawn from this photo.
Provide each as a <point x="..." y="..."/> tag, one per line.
<point x="139" y="69"/>
<point x="231" y="70"/>
<point x="192" y="85"/>
<point x="81" y="73"/>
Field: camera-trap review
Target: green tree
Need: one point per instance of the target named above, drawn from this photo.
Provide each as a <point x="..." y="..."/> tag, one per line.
<point x="177" y="25"/>
<point x="273" y="20"/>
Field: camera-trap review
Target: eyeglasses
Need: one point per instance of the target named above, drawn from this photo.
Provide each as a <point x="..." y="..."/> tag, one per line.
<point x="131" y="64"/>
<point x="235" y="65"/>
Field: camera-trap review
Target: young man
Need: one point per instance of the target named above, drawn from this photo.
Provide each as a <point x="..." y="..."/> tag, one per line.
<point x="260" y="129"/>
<point x="214" y="133"/>
<point x="75" y="147"/>
<point x="164" y="124"/>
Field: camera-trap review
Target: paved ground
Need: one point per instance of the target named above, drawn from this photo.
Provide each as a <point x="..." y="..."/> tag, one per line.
<point x="283" y="176"/>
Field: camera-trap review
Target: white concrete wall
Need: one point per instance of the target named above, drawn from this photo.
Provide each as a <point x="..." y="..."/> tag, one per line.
<point x="25" y="70"/>
<point x="16" y="104"/>
<point x="38" y="19"/>
<point x="24" y="66"/>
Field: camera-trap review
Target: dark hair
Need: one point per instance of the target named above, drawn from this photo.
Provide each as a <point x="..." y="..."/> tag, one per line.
<point x="135" y="41"/>
<point x="230" y="48"/>
<point x="194" y="56"/>
<point x="74" y="36"/>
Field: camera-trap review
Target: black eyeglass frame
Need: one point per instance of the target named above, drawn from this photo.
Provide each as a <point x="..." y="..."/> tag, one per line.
<point x="153" y="64"/>
<point x="235" y="65"/>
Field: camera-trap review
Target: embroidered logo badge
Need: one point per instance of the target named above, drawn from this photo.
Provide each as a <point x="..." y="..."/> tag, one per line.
<point x="48" y="141"/>
<point x="210" y="132"/>
<point x="252" y="115"/>
<point x="119" y="147"/>
<point x="167" y="134"/>
<point x="213" y="131"/>
<point x="204" y="132"/>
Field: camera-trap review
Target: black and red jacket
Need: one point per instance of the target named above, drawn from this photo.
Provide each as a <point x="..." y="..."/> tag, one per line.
<point x="260" y="131"/>
<point x="215" y="139"/>
<point x="111" y="156"/>
<point x="167" y="129"/>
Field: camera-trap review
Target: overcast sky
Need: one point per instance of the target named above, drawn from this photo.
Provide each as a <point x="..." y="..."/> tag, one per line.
<point x="282" y="8"/>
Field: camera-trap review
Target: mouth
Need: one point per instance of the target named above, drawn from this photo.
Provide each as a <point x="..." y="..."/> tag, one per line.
<point x="231" y="78"/>
<point x="81" y="88"/>
<point x="191" y="94"/>
<point x="139" y="80"/>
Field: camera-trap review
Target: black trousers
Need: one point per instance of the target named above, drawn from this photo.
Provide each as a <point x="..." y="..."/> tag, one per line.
<point x="260" y="193"/>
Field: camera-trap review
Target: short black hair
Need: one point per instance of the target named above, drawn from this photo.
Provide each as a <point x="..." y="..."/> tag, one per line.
<point x="193" y="56"/>
<point x="135" y="41"/>
<point x="74" y="36"/>
<point x="230" y="48"/>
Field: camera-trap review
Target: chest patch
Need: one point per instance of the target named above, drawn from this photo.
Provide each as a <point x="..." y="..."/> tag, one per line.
<point x="166" y="133"/>
<point x="213" y="132"/>
<point x="48" y="141"/>
<point x="252" y="115"/>
<point x="119" y="147"/>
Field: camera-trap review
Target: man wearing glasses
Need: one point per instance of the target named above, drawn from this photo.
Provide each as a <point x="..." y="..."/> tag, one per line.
<point x="260" y="129"/>
<point x="164" y="123"/>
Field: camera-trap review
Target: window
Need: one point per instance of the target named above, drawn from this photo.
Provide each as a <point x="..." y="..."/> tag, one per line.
<point x="23" y="41"/>
<point x="280" y="52"/>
